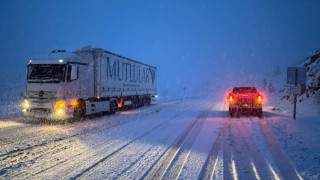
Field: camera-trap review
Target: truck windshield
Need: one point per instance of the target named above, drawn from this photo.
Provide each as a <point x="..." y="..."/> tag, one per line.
<point x="46" y="72"/>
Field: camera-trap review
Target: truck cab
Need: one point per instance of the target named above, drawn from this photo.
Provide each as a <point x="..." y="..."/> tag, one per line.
<point x="55" y="87"/>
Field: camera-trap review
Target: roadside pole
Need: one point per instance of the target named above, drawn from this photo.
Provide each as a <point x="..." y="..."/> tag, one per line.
<point x="296" y="76"/>
<point x="295" y="95"/>
<point x="295" y="107"/>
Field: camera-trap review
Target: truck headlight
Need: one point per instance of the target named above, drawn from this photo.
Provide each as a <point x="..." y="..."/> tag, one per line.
<point x="26" y="104"/>
<point x="60" y="104"/>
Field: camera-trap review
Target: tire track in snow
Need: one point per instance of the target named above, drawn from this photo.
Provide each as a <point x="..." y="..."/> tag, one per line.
<point x="227" y="151"/>
<point x="59" y="139"/>
<point x="256" y="165"/>
<point x="237" y="157"/>
<point x="113" y="154"/>
<point x="90" y="130"/>
<point x="151" y="158"/>
<point x="259" y="164"/>
<point x="52" y="145"/>
<point x="47" y="164"/>
<point x="283" y="163"/>
<point x="21" y="157"/>
<point x="181" y="157"/>
<point x="209" y="166"/>
<point x="176" y="154"/>
<point x="239" y="151"/>
<point x="27" y="135"/>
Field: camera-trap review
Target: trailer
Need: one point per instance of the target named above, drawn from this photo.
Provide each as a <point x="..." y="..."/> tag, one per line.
<point x="86" y="81"/>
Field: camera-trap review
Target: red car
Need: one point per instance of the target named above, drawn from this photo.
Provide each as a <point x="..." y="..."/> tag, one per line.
<point x="245" y="100"/>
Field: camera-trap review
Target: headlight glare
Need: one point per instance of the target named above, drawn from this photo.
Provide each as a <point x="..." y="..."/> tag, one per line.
<point x="60" y="104"/>
<point x="26" y="104"/>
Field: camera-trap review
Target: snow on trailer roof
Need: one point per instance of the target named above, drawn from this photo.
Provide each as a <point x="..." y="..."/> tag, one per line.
<point x="63" y="57"/>
<point x="89" y="49"/>
<point x="52" y="61"/>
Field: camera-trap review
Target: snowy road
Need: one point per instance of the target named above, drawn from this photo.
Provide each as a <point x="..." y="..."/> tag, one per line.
<point x="178" y="139"/>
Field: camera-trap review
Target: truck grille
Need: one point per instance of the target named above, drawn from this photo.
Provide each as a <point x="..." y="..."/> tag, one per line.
<point x="44" y="110"/>
<point x="41" y="94"/>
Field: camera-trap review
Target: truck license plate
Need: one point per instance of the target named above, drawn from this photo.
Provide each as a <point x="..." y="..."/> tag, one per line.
<point x="39" y="114"/>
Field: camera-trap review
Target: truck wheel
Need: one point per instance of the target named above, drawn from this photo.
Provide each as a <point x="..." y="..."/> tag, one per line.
<point x="113" y="107"/>
<point x="80" y="111"/>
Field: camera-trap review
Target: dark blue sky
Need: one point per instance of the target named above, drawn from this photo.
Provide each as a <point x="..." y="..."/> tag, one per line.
<point x="193" y="43"/>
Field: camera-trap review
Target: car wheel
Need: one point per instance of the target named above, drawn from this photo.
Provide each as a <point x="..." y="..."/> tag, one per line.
<point x="232" y="113"/>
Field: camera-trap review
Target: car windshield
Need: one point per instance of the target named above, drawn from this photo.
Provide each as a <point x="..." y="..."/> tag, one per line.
<point x="48" y="72"/>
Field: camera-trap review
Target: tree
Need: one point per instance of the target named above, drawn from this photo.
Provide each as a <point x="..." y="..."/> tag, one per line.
<point x="271" y="89"/>
<point x="264" y="84"/>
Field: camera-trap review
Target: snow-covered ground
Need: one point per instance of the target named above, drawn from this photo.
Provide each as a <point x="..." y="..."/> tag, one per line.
<point x="186" y="138"/>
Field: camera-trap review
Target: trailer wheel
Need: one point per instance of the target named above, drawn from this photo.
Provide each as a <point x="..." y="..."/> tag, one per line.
<point x="146" y="101"/>
<point x="113" y="107"/>
<point x="80" y="111"/>
<point x="137" y="102"/>
<point x="140" y="102"/>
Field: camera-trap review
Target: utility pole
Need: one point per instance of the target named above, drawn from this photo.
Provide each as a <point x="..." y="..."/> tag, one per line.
<point x="295" y="95"/>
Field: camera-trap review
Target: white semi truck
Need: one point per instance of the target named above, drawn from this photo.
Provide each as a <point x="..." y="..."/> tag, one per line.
<point x="87" y="81"/>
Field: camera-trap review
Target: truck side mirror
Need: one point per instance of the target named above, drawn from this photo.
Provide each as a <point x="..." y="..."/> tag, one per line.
<point x="74" y="72"/>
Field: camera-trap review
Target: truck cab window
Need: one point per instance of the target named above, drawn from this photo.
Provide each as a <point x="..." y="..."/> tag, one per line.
<point x="46" y="72"/>
<point x="72" y="73"/>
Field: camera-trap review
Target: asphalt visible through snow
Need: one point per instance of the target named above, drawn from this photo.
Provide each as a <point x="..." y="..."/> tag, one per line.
<point x="182" y="138"/>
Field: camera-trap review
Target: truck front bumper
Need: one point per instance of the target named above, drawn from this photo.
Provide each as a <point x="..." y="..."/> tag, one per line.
<point x="43" y="113"/>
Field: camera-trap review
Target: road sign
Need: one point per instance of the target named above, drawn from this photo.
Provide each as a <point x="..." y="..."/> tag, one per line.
<point x="296" y="75"/>
<point x="295" y="90"/>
